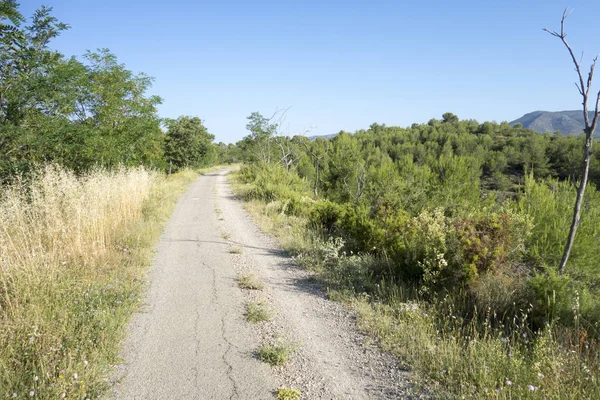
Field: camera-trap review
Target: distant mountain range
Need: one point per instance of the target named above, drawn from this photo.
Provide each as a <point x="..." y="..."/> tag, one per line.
<point x="566" y="122"/>
<point x="313" y="138"/>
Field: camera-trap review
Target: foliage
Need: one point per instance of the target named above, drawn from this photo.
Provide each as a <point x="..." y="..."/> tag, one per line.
<point x="471" y="213"/>
<point x="257" y="312"/>
<point x="275" y="355"/>
<point x="79" y="113"/>
<point x="188" y="143"/>
<point x="284" y="393"/>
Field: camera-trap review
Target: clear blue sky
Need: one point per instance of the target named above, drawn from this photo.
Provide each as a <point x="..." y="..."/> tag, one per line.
<point x="339" y="64"/>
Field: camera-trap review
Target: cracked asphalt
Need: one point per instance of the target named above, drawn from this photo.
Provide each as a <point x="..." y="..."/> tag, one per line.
<point x="190" y="340"/>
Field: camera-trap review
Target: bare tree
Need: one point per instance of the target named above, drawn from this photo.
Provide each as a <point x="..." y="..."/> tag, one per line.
<point x="584" y="88"/>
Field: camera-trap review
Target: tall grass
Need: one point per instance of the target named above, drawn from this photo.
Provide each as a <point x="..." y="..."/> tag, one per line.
<point x="73" y="251"/>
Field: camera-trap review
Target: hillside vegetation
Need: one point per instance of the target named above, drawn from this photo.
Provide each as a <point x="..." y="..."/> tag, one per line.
<point x="446" y="237"/>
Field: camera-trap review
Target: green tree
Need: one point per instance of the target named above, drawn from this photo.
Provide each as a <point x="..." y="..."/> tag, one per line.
<point x="188" y="143"/>
<point x="262" y="131"/>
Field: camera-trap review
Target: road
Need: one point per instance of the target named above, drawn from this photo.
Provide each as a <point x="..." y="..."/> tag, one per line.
<point x="191" y="340"/>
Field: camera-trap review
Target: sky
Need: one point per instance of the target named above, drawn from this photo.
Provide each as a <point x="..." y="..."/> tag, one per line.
<point x="339" y="65"/>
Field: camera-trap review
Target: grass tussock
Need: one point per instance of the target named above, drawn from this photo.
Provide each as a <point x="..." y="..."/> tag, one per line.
<point x="275" y="355"/>
<point x="257" y="312"/>
<point x="250" y="282"/>
<point x="73" y="252"/>
<point x="285" y="393"/>
<point x="235" y="250"/>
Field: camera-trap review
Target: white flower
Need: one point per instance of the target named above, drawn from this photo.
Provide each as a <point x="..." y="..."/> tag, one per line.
<point x="36" y="378"/>
<point x="532" y="388"/>
<point x="32" y="393"/>
<point x="14" y="394"/>
<point x="508" y="383"/>
<point x="85" y="362"/>
<point x="75" y="375"/>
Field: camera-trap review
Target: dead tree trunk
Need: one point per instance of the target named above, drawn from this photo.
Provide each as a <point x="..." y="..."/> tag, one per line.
<point x="584" y="88"/>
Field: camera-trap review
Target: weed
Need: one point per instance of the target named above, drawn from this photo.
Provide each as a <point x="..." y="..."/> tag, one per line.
<point x="275" y="355"/>
<point x="285" y="393"/>
<point x="251" y="282"/>
<point x="257" y="312"/>
<point x="235" y="250"/>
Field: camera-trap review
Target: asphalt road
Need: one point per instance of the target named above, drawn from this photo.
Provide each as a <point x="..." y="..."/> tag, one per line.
<point x="191" y="341"/>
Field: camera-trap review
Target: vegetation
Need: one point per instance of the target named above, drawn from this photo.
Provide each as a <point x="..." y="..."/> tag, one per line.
<point x="250" y="282"/>
<point x="74" y="251"/>
<point x="446" y="237"/>
<point x="188" y="143"/>
<point x="590" y="122"/>
<point x="285" y="393"/>
<point x="257" y="312"/>
<point x="235" y="250"/>
<point x="81" y="113"/>
<point x="275" y="355"/>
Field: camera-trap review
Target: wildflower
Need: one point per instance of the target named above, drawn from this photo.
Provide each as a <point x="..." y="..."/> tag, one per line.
<point x="31" y="394"/>
<point x="35" y="378"/>
<point x="85" y="362"/>
<point x="14" y="394"/>
<point x="532" y="388"/>
<point x="540" y="375"/>
<point x="508" y="383"/>
<point x="75" y="375"/>
<point x="62" y="396"/>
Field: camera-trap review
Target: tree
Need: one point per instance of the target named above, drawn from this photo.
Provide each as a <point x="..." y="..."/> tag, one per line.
<point x="261" y="131"/>
<point x="188" y="143"/>
<point x="75" y="113"/>
<point x="449" y="118"/>
<point x="584" y="88"/>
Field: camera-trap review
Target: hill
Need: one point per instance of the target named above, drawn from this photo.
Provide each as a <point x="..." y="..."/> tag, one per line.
<point x="567" y="122"/>
<point x="330" y="136"/>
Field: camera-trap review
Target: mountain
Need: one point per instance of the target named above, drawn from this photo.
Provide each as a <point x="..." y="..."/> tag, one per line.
<point x="331" y="136"/>
<point x="566" y="122"/>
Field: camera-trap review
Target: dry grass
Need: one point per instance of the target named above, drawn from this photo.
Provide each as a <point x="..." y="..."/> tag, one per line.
<point x="257" y="312"/>
<point x="275" y="355"/>
<point x="73" y="252"/>
<point x="235" y="250"/>
<point x="250" y="281"/>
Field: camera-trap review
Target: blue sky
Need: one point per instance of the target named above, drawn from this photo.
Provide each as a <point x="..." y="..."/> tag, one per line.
<point x="340" y="65"/>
